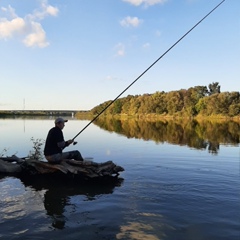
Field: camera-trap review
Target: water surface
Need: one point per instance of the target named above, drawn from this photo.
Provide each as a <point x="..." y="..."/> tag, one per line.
<point x="170" y="189"/>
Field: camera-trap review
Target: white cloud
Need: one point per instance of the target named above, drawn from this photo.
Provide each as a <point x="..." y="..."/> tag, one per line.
<point x="130" y="21"/>
<point x="145" y="2"/>
<point x="46" y="10"/>
<point x="9" y="28"/>
<point x="120" y="48"/>
<point x="29" y="27"/>
<point x="10" y="11"/>
<point x="146" y="45"/>
<point x="110" y="78"/>
<point x="37" y="37"/>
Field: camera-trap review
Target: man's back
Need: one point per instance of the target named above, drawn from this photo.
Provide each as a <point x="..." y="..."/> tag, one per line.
<point x="54" y="136"/>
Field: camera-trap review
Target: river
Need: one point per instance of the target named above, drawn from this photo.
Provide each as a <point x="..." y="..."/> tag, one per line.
<point x="181" y="181"/>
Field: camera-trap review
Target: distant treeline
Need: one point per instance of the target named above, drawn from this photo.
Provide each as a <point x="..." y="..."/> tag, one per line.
<point x="195" y="101"/>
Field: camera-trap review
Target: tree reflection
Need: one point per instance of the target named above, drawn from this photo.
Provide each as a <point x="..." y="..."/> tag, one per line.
<point x="195" y="134"/>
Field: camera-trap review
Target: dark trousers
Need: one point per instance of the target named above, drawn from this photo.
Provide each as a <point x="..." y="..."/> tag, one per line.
<point x="56" y="158"/>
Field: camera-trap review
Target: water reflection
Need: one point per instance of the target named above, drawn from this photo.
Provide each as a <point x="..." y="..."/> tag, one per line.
<point x="195" y="134"/>
<point x="59" y="192"/>
<point x="137" y="231"/>
<point x="150" y="227"/>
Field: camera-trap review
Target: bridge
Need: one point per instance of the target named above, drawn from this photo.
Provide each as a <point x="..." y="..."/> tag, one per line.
<point x="41" y="112"/>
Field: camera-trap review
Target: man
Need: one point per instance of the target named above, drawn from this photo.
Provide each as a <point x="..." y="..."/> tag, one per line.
<point x="55" y="144"/>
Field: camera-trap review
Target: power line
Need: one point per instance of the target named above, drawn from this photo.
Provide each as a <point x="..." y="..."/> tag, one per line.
<point x="149" y="67"/>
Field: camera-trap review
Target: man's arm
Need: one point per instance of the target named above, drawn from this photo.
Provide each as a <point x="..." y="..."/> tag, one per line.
<point x="64" y="144"/>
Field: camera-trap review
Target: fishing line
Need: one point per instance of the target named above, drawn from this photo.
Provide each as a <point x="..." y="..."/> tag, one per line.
<point x="149" y="68"/>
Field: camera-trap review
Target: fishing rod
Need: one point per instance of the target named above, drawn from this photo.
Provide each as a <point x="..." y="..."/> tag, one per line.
<point x="148" y="69"/>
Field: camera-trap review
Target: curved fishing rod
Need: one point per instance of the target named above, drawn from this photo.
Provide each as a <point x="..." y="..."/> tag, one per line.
<point x="149" y="68"/>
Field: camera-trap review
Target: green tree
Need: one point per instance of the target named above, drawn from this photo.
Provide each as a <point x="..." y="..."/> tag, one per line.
<point x="201" y="106"/>
<point x="135" y="103"/>
<point x="146" y="104"/>
<point x="117" y="107"/>
<point x="159" y="102"/>
<point x="234" y="109"/>
<point x="214" y="88"/>
<point x="175" y="102"/>
<point x="126" y="104"/>
<point x="192" y="96"/>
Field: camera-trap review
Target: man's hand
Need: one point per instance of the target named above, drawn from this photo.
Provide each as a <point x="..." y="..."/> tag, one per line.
<point x="70" y="141"/>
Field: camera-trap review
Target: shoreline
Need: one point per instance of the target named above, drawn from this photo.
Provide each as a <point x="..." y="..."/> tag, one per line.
<point x="88" y="115"/>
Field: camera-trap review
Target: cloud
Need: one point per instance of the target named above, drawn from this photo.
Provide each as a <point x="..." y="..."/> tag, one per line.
<point x="37" y="37"/>
<point x="146" y="45"/>
<point x="145" y="2"/>
<point x="110" y="78"/>
<point x="130" y="21"/>
<point x="120" y="48"/>
<point x="28" y="28"/>
<point x="10" y="11"/>
<point x="10" y="28"/>
<point x="46" y="10"/>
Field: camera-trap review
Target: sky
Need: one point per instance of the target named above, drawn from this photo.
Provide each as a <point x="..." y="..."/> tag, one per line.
<point x="74" y="55"/>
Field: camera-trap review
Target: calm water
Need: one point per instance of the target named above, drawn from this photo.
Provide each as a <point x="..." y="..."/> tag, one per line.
<point x="170" y="189"/>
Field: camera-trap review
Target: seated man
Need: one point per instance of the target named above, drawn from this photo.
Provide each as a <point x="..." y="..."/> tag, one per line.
<point x="55" y="143"/>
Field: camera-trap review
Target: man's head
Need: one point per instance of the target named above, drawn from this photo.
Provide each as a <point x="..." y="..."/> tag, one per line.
<point x="60" y="122"/>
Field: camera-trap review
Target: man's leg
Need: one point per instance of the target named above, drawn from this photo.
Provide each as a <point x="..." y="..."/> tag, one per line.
<point x="55" y="158"/>
<point x="76" y="155"/>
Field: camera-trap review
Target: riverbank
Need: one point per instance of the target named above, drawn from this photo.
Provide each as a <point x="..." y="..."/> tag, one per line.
<point x="87" y="115"/>
<point x="155" y="117"/>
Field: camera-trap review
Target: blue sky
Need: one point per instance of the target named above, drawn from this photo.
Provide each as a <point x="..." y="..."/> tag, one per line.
<point x="77" y="54"/>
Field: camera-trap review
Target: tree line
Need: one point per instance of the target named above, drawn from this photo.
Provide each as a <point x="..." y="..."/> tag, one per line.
<point x="192" y="102"/>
